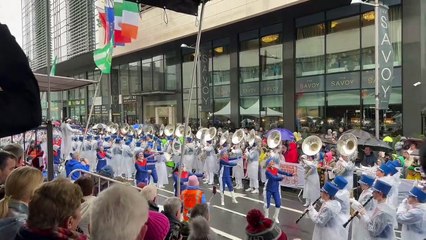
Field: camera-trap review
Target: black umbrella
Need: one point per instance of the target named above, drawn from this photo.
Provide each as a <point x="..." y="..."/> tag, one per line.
<point x="366" y="139"/>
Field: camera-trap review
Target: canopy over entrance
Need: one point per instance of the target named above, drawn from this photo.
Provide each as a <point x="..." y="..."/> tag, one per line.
<point x="58" y="83"/>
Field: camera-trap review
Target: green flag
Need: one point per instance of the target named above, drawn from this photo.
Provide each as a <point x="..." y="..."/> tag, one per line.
<point x="103" y="57"/>
<point x="53" y="69"/>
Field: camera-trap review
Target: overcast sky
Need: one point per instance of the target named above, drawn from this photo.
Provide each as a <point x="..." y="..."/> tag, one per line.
<point x="10" y="14"/>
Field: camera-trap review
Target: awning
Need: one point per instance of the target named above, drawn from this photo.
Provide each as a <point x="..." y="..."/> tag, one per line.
<point x="58" y="83"/>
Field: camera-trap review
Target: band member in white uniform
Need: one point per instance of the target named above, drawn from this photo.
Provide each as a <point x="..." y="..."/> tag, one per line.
<point x="67" y="133"/>
<point x="345" y="168"/>
<point x="311" y="189"/>
<point x="117" y="157"/>
<point x="238" y="171"/>
<point x="160" y="166"/>
<point x="412" y="215"/>
<point x="210" y="162"/>
<point x="188" y="157"/>
<point x="127" y="164"/>
<point x="253" y="168"/>
<point x="343" y="197"/>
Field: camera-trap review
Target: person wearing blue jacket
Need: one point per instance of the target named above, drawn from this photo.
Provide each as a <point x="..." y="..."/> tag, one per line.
<point x="74" y="164"/>
<point x="150" y="164"/>
<point x="142" y="171"/>
<point x="272" y="186"/>
<point x="184" y="177"/>
<point x="225" y="179"/>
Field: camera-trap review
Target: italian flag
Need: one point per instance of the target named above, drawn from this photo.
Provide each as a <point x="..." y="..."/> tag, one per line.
<point x="129" y="19"/>
<point x="119" y="38"/>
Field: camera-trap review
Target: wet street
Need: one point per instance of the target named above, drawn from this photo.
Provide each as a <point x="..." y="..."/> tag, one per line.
<point x="229" y="221"/>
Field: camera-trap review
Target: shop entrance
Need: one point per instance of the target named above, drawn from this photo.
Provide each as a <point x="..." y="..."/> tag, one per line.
<point x="160" y="112"/>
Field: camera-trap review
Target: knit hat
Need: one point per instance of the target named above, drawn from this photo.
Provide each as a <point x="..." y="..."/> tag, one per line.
<point x="158" y="226"/>
<point x="260" y="227"/>
<point x="193" y="181"/>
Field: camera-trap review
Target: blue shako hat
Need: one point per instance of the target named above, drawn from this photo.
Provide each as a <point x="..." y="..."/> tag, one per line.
<point x="188" y="139"/>
<point x="138" y="144"/>
<point x="128" y="142"/>
<point x="330" y="189"/>
<point x="97" y="137"/>
<point x="117" y="140"/>
<point x="418" y="193"/>
<point x="114" y="136"/>
<point x="396" y="163"/>
<point x="366" y="180"/>
<point x="382" y="187"/>
<point x="340" y="182"/>
<point x="385" y="169"/>
<point x="89" y="137"/>
<point x="392" y="168"/>
<point x="74" y="138"/>
<point x="107" y="138"/>
<point x="80" y="138"/>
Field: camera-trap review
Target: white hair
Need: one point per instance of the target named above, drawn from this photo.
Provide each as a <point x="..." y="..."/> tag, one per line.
<point x="200" y="229"/>
<point x="172" y="205"/>
<point x="149" y="192"/>
<point x="119" y="212"/>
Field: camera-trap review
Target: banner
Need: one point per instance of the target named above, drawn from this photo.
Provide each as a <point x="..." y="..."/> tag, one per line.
<point x="298" y="178"/>
<point x="206" y="95"/>
<point x="385" y="60"/>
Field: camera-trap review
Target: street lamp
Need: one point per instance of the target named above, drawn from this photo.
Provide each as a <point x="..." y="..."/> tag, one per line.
<point x="183" y="45"/>
<point x="376" y="6"/>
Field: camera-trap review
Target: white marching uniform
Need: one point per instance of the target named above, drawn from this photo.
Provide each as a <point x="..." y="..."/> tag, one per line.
<point x="345" y="169"/>
<point x="413" y="220"/>
<point x="211" y="166"/>
<point x="92" y="154"/>
<point x="359" y="228"/>
<point x="238" y="171"/>
<point x="253" y="167"/>
<point x="85" y="149"/>
<point x="188" y="157"/>
<point x="116" y="159"/>
<point x="311" y="189"/>
<point x="161" y="168"/>
<point x="327" y="223"/>
<point x="343" y="197"/>
<point x="127" y="164"/>
<point x="381" y="223"/>
<point x="66" y="145"/>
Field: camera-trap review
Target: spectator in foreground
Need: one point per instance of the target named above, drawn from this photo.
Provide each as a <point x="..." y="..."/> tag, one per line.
<point x="191" y="196"/>
<point x="200" y="210"/>
<point x="260" y="227"/>
<point x="101" y="184"/>
<point x="75" y="163"/>
<point x="19" y="189"/>
<point x="200" y="229"/>
<point x="173" y="211"/>
<point x="157" y="227"/>
<point x="16" y="150"/>
<point x="7" y="164"/>
<point x="54" y="212"/>
<point x="150" y="194"/>
<point x="86" y="185"/>
<point x="119" y="212"/>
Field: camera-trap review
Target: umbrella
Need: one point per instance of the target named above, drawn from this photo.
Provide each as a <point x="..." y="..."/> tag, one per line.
<point x="365" y="139"/>
<point x="286" y="135"/>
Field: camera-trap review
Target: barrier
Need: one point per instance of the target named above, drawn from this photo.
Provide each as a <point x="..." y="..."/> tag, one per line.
<point x="297" y="181"/>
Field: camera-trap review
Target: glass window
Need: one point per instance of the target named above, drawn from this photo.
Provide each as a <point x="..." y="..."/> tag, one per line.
<point x="158" y="73"/>
<point x="221" y="64"/>
<point x="271" y="56"/>
<point x="395" y="32"/>
<point x="249" y="111"/>
<point x="272" y="111"/>
<point x="135" y="77"/>
<point x="171" y="70"/>
<point x="367" y="40"/>
<point x="193" y="116"/>
<point x="222" y="111"/>
<point x="188" y="63"/>
<point x="249" y="60"/>
<point x="343" y="45"/>
<point x="343" y="108"/>
<point x="310" y="111"/>
<point x="147" y="74"/>
<point x="310" y="50"/>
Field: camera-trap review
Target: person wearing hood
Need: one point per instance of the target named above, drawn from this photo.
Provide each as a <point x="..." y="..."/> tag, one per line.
<point x="210" y="162"/>
<point x="160" y="166"/>
<point x="359" y="229"/>
<point x="191" y="196"/>
<point x="327" y="223"/>
<point x="380" y="224"/>
<point x="19" y="189"/>
<point x="75" y="163"/>
<point x="127" y="160"/>
<point x="412" y="215"/>
<point x="117" y="157"/>
<point x="311" y="188"/>
<point x="86" y="185"/>
<point x="253" y="168"/>
<point x="291" y="155"/>
<point x="272" y="187"/>
<point x="343" y="197"/>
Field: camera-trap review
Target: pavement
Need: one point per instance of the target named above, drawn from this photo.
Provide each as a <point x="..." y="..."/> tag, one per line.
<point x="229" y="221"/>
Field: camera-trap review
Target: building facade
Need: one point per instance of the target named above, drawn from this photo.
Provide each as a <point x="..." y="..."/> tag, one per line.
<point x="303" y="65"/>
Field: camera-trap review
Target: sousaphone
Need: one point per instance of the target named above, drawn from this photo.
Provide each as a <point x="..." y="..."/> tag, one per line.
<point x="251" y="137"/>
<point x="210" y="134"/>
<point x="274" y="139"/>
<point x="180" y="131"/>
<point x="161" y="130"/>
<point x="224" y="138"/>
<point x="347" y="144"/>
<point x="169" y="130"/>
<point x="311" y="145"/>
<point x="238" y="136"/>
<point x="200" y="133"/>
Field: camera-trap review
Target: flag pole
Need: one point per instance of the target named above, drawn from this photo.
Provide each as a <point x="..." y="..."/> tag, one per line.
<point x="194" y="72"/>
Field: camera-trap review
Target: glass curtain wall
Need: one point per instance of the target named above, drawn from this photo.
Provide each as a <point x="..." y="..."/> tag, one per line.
<point x="335" y="80"/>
<point x="187" y="65"/>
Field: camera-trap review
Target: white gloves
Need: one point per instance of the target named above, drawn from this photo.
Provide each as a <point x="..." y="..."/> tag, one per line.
<point x="355" y="204"/>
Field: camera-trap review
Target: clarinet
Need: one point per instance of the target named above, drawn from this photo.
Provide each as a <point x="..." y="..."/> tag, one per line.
<point x="356" y="213"/>
<point x="305" y="212"/>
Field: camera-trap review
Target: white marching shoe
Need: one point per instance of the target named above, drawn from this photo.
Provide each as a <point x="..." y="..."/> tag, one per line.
<point x="249" y="189"/>
<point x="222" y="199"/>
<point x="234" y="200"/>
<point x="238" y="186"/>
<point x="276" y="214"/>
<point x="307" y="203"/>
<point x="266" y="211"/>
<point x="255" y="190"/>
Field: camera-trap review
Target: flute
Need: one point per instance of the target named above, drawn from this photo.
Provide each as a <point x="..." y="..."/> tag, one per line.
<point x="304" y="213"/>
<point x="356" y="213"/>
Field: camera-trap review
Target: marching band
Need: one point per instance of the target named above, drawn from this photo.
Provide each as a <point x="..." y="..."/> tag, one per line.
<point x="144" y="153"/>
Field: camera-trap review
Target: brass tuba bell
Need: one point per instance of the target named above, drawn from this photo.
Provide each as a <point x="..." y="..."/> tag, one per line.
<point x="274" y="139"/>
<point x="347" y="144"/>
<point x="169" y="130"/>
<point x="311" y="145"/>
<point x="238" y="136"/>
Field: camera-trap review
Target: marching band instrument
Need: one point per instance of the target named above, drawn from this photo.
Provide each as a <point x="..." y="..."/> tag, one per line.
<point x="179" y="132"/>
<point x="200" y="133"/>
<point x="356" y="213"/>
<point x="161" y="130"/>
<point x="124" y="129"/>
<point x="274" y="139"/>
<point x="209" y="134"/>
<point x="169" y="130"/>
<point x="224" y="138"/>
<point x="306" y="211"/>
<point x="311" y="145"/>
<point x="347" y="144"/>
<point x="251" y="137"/>
<point x="238" y="136"/>
<point x="176" y="147"/>
<point x="112" y="128"/>
<point x="148" y="129"/>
